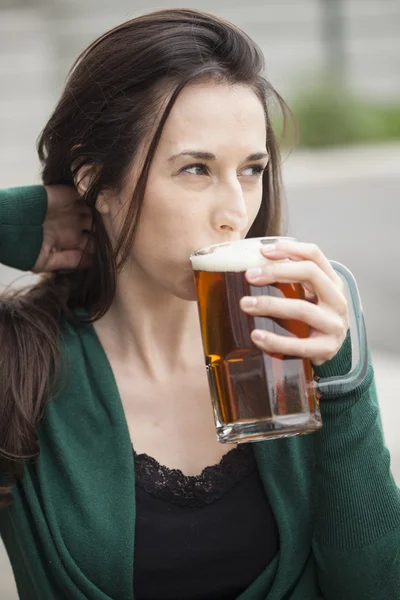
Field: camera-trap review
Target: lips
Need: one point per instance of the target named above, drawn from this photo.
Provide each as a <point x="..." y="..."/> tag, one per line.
<point x="216" y="242"/>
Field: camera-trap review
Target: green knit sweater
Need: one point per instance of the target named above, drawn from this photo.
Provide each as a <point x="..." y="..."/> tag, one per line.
<point x="70" y="533"/>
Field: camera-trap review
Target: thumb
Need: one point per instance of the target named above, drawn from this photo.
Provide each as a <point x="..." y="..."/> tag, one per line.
<point x="68" y="259"/>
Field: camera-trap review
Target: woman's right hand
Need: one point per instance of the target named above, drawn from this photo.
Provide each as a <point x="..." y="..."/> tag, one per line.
<point x="65" y="232"/>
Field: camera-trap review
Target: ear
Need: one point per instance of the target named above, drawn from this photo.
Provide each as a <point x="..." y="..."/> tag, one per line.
<point x="102" y="205"/>
<point x="82" y="179"/>
<point x="82" y="182"/>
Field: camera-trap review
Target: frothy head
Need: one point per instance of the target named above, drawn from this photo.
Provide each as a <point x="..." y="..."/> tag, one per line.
<point x="235" y="257"/>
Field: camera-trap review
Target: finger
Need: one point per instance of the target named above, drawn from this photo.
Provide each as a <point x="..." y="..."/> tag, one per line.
<point x="304" y="272"/>
<point x="300" y="251"/>
<point x="318" y="349"/>
<point x="77" y="222"/>
<point x="70" y="235"/>
<point x="87" y="243"/>
<point x="67" y="259"/>
<point x="86" y="222"/>
<point x="85" y="210"/>
<point x="84" y="207"/>
<point x="313" y="315"/>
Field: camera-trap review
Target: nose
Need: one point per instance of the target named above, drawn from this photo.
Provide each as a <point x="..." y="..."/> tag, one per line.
<point x="230" y="212"/>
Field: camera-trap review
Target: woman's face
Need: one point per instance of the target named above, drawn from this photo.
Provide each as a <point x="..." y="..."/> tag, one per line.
<point x="204" y="185"/>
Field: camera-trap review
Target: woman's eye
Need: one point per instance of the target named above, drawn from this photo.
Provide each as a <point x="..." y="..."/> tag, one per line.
<point x="253" y="170"/>
<point x="197" y="169"/>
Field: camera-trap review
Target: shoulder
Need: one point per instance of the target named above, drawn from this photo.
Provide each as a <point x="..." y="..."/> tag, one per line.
<point x="287" y="471"/>
<point x="79" y="349"/>
<point x="287" y="465"/>
<point x="76" y="334"/>
<point x="76" y="390"/>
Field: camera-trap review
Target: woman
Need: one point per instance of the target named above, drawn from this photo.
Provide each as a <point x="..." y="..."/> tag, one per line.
<point x="164" y="131"/>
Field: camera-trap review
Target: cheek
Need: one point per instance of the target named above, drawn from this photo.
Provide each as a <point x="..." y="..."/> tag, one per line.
<point x="164" y="233"/>
<point x="165" y="228"/>
<point x="164" y="254"/>
<point x="254" y="200"/>
<point x="171" y="215"/>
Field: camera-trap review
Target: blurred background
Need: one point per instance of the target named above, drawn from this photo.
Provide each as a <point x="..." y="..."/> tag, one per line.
<point x="337" y="63"/>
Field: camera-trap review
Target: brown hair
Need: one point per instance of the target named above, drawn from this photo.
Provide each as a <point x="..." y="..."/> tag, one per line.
<point x="123" y="83"/>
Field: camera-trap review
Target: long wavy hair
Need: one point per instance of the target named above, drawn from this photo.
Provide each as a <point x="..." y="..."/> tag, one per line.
<point x="119" y="92"/>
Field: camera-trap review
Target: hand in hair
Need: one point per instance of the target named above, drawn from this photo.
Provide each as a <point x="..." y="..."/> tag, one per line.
<point x="66" y="232"/>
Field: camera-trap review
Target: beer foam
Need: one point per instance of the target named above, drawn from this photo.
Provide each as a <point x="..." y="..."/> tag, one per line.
<point x="236" y="257"/>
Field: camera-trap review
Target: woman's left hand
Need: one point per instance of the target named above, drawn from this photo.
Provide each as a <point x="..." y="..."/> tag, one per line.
<point x="324" y="309"/>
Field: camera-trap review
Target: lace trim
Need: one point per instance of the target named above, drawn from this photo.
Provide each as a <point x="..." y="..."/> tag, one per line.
<point x="194" y="490"/>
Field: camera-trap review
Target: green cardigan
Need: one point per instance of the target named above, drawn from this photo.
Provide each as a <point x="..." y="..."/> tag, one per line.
<point x="71" y="530"/>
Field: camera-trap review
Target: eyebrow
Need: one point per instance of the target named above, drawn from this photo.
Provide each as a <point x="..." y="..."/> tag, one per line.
<point x="209" y="156"/>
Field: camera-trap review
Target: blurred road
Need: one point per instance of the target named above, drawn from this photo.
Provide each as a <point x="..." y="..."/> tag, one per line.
<point x="348" y="202"/>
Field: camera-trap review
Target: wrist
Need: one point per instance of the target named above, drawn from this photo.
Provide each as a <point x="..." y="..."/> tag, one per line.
<point x="24" y="206"/>
<point x="22" y="212"/>
<point x="340" y="364"/>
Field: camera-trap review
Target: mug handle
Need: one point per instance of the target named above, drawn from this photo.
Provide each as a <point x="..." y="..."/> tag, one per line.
<point x="348" y="382"/>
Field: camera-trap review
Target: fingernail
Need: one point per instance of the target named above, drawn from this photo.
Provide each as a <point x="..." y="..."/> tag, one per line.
<point x="269" y="248"/>
<point x="258" y="335"/>
<point x="248" y="301"/>
<point x="254" y="273"/>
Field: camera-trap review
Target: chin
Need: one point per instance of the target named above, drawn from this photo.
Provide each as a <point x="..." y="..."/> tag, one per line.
<point x="185" y="290"/>
<point x="186" y="294"/>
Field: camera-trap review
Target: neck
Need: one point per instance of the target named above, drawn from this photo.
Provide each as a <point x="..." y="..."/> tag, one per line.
<point x="153" y="327"/>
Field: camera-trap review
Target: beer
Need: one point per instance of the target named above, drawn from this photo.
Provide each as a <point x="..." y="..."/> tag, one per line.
<point x="255" y="394"/>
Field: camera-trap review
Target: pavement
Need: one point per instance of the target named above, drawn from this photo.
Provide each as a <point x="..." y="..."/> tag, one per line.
<point x="346" y="200"/>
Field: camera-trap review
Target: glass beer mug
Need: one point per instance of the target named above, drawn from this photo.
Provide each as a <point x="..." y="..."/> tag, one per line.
<point x="257" y="395"/>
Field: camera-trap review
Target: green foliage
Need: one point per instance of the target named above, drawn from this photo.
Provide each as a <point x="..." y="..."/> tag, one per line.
<point x="328" y="115"/>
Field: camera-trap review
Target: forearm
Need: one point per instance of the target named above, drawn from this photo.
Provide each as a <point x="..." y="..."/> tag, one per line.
<point x="357" y="532"/>
<point x="22" y="212"/>
<point x="371" y="572"/>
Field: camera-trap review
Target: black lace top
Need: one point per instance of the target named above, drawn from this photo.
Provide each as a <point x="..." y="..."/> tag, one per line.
<point x="204" y="537"/>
